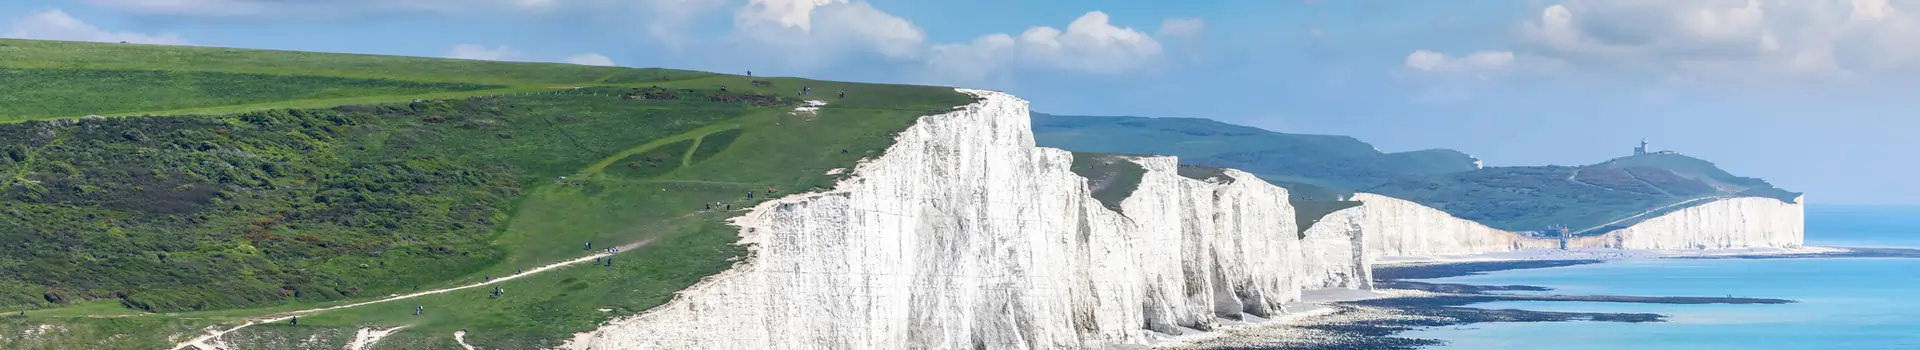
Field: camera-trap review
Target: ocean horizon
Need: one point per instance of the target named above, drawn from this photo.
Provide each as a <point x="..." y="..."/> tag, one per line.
<point x="1842" y="303"/>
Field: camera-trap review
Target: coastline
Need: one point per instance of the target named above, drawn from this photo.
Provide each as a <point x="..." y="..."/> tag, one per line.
<point x="1402" y="303"/>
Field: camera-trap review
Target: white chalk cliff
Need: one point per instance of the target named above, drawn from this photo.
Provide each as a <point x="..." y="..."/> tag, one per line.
<point x="1746" y="222"/>
<point x="965" y="235"/>
<point x="1400" y="228"/>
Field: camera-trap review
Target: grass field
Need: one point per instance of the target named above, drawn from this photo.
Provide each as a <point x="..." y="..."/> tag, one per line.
<point x="53" y="79"/>
<point x="310" y="179"/>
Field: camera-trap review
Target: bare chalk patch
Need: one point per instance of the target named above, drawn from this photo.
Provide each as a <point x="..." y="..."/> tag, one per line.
<point x="366" y="337"/>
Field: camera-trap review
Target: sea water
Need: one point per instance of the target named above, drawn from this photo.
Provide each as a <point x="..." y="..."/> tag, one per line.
<point x="1857" y="303"/>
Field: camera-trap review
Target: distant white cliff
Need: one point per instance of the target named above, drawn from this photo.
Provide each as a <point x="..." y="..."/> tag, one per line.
<point x="965" y="235"/>
<point x="1747" y="222"/>
<point x="1400" y="228"/>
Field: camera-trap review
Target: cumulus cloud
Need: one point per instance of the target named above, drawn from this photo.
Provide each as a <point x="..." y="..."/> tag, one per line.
<point x="1483" y="61"/>
<point x="1728" y="38"/>
<point x="590" y="59"/>
<point x="1090" y="44"/>
<point x="480" y="52"/>
<point x="508" y="53"/>
<point x="58" y="25"/>
<point x="800" y="34"/>
<point x="1181" y="27"/>
<point x="827" y="28"/>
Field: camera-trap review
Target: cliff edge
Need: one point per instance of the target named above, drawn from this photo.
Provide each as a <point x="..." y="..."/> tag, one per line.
<point x="1400" y="228"/>
<point x="966" y="235"/>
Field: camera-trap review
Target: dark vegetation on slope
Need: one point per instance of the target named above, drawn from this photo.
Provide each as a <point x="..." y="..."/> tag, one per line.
<point x="714" y="143"/>
<point x="1112" y="177"/>
<point x="1297" y="191"/>
<point x="1307" y="213"/>
<point x="57" y="92"/>
<point x="1535" y="198"/>
<point x="1308" y="208"/>
<point x="1204" y="173"/>
<point x="1320" y="160"/>
<point x="1331" y="168"/>
<point x="198" y="212"/>
<point x="298" y="201"/>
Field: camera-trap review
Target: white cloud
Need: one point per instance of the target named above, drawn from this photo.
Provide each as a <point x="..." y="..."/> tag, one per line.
<point x="479" y="52"/>
<point x="1181" y="27"/>
<point x="1090" y="44"/>
<point x="1483" y="61"/>
<point x="1729" y="39"/>
<point x="590" y="59"/>
<point x="58" y="25"/>
<point x="827" y="29"/>
<point x="799" y="34"/>
<point x="508" y="53"/>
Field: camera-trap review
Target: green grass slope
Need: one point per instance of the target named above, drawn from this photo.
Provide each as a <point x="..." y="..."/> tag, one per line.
<point x="1111" y="177"/>
<point x="1319" y="160"/>
<point x="55" y="79"/>
<point x="158" y="225"/>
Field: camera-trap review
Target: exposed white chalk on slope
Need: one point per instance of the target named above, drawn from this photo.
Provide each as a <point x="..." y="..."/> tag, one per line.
<point x="965" y="235"/>
<point x="364" y="338"/>
<point x="460" y="337"/>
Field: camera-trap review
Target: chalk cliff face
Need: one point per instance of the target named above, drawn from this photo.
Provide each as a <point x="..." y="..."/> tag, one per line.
<point x="1400" y="228"/>
<point x="965" y="235"/>
<point x="1339" y="236"/>
<point x="1749" y="222"/>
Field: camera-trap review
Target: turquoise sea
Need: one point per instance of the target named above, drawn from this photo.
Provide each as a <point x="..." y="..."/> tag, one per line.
<point x="1859" y="303"/>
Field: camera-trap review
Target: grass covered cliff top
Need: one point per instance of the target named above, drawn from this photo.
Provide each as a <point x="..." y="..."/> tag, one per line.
<point x="267" y="181"/>
<point x="1594" y="198"/>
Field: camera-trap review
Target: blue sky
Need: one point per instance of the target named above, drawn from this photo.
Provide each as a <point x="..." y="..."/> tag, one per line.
<point x="1810" y="94"/>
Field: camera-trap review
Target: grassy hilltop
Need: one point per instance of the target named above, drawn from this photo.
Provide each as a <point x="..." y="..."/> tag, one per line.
<point x="1316" y="168"/>
<point x="1320" y="160"/>
<point x="230" y="183"/>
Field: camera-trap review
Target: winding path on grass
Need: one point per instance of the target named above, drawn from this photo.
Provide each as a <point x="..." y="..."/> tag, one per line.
<point x="202" y="341"/>
<point x="695" y="134"/>
<point x="206" y="341"/>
